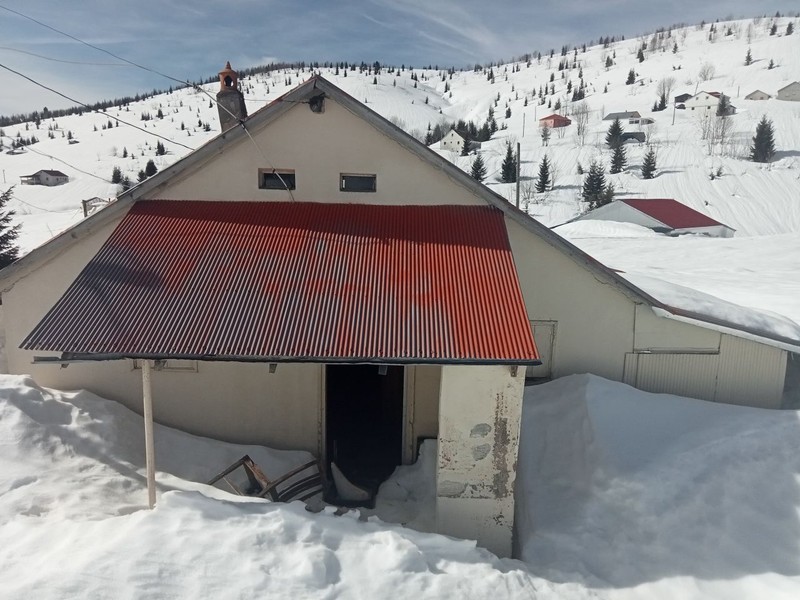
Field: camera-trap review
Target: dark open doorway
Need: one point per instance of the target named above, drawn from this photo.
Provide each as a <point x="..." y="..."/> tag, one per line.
<point x="364" y="421"/>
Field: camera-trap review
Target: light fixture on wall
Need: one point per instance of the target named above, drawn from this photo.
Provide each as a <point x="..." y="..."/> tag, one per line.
<point x="273" y="367"/>
<point x="383" y="369"/>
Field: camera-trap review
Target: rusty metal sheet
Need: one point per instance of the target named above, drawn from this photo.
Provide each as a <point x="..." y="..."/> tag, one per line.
<point x="296" y="281"/>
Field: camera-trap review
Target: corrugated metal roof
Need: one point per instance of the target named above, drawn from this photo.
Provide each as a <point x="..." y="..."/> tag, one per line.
<point x="671" y="212"/>
<point x="297" y="281"/>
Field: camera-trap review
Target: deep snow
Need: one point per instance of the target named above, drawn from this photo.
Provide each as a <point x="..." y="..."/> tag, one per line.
<point x="620" y="494"/>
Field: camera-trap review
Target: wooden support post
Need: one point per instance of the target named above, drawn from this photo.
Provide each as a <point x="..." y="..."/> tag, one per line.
<point x="149" y="446"/>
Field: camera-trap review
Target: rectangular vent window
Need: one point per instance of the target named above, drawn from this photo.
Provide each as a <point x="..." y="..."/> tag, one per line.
<point x="276" y="179"/>
<point x="358" y="183"/>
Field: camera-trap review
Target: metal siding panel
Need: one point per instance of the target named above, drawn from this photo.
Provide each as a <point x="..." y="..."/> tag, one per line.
<point x="297" y="281"/>
<point x="750" y="373"/>
<point x="693" y="375"/>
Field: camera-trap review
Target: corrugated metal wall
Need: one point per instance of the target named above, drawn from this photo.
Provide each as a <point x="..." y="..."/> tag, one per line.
<point x="750" y="373"/>
<point x="743" y="372"/>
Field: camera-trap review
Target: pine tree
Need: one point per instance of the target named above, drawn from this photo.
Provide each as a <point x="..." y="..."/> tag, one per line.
<point x="724" y="106"/>
<point x="790" y="28"/>
<point x="748" y="58"/>
<point x="619" y="159"/>
<point x="9" y="250"/>
<point x="150" y="168"/>
<point x="545" y="135"/>
<point x="763" y="148"/>
<point x="465" y="148"/>
<point x="508" y="171"/>
<point x="543" y="181"/>
<point x="116" y="175"/>
<point x="614" y="134"/>
<point x="649" y="164"/>
<point x="640" y="55"/>
<point x="631" y="77"/>
<point x="478" y="172"/>
<point x="774" y="29"/>
<point x="594" y="185"/>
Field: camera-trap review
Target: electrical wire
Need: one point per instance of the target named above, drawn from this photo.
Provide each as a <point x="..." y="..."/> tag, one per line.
<point x="86" y="106"/>
<point x="69" y="62"/>
<point x="29" y="149"/>
<point x="195" y="86"/>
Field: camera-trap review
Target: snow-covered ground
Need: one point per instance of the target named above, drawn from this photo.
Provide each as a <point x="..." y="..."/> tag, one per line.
<point x="621" y="494"/>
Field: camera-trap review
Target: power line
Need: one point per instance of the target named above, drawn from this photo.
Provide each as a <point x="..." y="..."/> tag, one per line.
<point x="29" y="149"/>
<point x="41" y="85"/>
<point x="149" y="70"/>
<point x="69" y="62"/>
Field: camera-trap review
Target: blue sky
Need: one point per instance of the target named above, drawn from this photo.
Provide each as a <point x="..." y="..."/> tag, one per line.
<point x="193" y="39"/>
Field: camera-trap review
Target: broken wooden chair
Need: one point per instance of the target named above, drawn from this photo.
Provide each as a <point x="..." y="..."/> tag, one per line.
<point x="301" y="483"/>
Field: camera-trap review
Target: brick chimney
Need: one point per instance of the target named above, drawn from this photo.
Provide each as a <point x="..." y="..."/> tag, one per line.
<point x="230" y="100"/>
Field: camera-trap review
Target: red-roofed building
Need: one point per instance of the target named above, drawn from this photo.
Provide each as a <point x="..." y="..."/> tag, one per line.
<point x="350" y="301"/>
<point x="554" y="121"/>
<point x="663" y="215"/>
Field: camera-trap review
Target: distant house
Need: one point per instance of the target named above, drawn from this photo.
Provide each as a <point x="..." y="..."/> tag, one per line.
<point x="681" y="98"/>
<point x="707" y="102"/>
<point x="757" y="95"/>
<point x="663" y="215"/>
<point x="455" y="142"/>
<point x="632" y="117"/>
<point x="45" y="177"/>
<point x="633" y="136"/>
<point x="554" y="121"/>
<point x="622" y="116"/>
<point x="791" y="92"/>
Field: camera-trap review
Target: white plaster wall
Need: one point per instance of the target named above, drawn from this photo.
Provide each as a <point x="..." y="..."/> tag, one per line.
<point x="318" y="147"/>
<point x="595" y="320"/>
<point x="655" y="334"/>
<point x="479" y="418"/>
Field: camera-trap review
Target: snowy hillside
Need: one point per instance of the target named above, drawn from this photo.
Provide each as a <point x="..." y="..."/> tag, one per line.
<point x="755" y="199"/>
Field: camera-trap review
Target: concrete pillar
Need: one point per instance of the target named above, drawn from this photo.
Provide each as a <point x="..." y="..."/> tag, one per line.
<point x="479" y="417"/>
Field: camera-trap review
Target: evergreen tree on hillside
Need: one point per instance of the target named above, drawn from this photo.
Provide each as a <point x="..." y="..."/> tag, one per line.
<point x="748" y="58"/>
<point x="478" y="168"/>
<point x="724" y="106"/>
<point x="594" y="185"/>
<point x="640" y="55"/>
<point x="790" y="28"/>
<point x="116" y="175"/>
<point x="9" y="250"/>
<point x="508" y="171"/>
<point x="619" y="159"/>
<point x="763" y="148"/>
<point x="649" y="165"/>
<point x="465" y="148"/>
<point x="631" y="77"/>
<point x="543" y="180"/>
<point x="150" y="168"/>
<point x="614" y="134"/>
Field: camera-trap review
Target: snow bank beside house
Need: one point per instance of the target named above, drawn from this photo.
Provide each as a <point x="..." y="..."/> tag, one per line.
<point x="622" y="494"/>
<point x="639" y="495"/>
<point x="73" y="521"/>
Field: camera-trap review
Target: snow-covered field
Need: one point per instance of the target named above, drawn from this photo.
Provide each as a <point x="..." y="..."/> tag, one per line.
<point x="621" y="494"/>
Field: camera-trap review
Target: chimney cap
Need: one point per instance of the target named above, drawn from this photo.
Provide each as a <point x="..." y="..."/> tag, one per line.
<point x="228" y="78"/>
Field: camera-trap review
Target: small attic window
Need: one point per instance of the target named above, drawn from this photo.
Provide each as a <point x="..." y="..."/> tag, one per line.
<point x="358" y="183"/>
<point x="276" y="179"/>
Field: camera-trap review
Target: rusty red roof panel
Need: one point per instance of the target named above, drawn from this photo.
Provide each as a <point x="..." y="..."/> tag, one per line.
<point x="297" y="281"/>
<point x="671" y="212"/>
